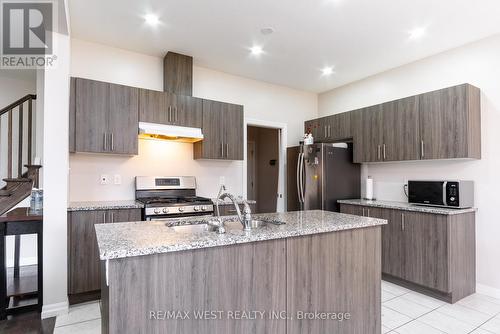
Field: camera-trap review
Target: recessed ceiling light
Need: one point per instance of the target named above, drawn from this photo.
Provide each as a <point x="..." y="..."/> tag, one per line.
<point x="416" y="33"/>
<point x="267" y="30"/>
<point x="152" y="19"/>
<point x="256" y="50"/>
<point x="327" y="70"/>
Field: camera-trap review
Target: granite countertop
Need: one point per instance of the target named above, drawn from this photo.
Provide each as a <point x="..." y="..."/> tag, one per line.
<point x="406" y="206"/>
<point x="104" y="205"/>
<point x="120" y="240"/>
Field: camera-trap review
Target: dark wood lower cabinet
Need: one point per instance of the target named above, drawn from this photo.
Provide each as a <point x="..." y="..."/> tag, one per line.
<point x="83" y="255"/>
<point x="431" y="253"/>
<point x="336" y="273"/>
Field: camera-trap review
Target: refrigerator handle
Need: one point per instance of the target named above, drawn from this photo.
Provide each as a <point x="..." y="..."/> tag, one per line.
<point x="299" y="192"/>
<point x="302" y="196"/>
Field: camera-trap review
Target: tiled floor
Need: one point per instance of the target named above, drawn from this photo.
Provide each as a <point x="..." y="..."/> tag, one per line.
<point x="403" y="312"/>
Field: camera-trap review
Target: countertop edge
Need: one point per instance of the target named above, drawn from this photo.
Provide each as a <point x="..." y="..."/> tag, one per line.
<point x="228" y="240"/>
<point x="103" y="205"/>
<point x="407" y="207"/>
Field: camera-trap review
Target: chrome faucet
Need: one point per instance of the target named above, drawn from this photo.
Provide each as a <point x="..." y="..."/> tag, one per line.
<point x="245" y="219"/>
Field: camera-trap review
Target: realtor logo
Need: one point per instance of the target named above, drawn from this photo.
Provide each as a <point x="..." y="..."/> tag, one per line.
<point x="27" y="29"/>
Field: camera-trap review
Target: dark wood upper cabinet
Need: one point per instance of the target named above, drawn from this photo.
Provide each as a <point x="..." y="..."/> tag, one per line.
<point x="443" y="124"/>
<point x="450" y="123"/>
<point x="171" y="109"/>
<point x="178" y="74"/>
<point x="189" y="111"/>
<point x="400" y="130"/>
<point x="222" y="132"/>
<point x="103" y="117"/>
<point x="368" y="134"/>
<point x="123" y="119"/>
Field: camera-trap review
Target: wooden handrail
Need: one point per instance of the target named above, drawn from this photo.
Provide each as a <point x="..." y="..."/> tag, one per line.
<point x="17" y="103"/>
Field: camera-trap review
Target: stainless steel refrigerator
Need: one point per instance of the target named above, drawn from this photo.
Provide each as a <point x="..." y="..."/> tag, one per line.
<point x="321" y="174"/>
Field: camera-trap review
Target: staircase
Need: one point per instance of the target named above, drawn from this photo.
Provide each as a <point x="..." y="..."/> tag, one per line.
<point x="16" y="153"/>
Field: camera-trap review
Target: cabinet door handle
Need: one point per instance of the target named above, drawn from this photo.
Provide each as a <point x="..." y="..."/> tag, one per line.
<point x="176" y="116"/>
<point x="325" y="132"/>
<point x="112" y="141"/>
<point x="384" y="152"/>
<point x="105" y="142"/>
<point x="368" y="212"/>
<point x="170" y="114"/>
<point x="222" y="148"/>
<point x="378" y="152"/>
<point x="104" y="217"/>
<point x="422" y="149"/>
<point x="227" y="150"/>
<point x="112" y="220"/>
<point x="329" y="131"/>
<point x="402" y="222"/>
<point x="363" y="212"/>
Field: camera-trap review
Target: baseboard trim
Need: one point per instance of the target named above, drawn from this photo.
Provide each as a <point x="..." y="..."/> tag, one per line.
<point x="53" y="310"/>
<point x="488" y="290"/>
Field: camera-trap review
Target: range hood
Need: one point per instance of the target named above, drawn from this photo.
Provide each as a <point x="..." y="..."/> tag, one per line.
<point x="169" y="132"/>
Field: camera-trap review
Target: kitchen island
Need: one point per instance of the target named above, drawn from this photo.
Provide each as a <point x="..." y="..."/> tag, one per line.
<point x="319" y="272"/>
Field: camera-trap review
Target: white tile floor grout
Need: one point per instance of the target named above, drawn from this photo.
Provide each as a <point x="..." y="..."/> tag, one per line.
<point x="403" y="312"/>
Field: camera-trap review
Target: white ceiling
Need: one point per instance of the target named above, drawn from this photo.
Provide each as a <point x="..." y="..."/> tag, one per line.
<point x="358" y="37"/>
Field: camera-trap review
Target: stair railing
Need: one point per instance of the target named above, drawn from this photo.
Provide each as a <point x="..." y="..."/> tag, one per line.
<point x="9" y="112"/>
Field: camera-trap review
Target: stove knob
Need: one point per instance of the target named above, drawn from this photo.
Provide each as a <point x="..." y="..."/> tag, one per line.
<point x="452" y="199"/>
<point x="157" y="211"/>
<point x="165" y="210"/>
<point x="181" y="209"/>
<point x="197" y="208"/>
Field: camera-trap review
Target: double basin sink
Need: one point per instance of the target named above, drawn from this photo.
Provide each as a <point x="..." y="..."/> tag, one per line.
<point x="230" y="225"/>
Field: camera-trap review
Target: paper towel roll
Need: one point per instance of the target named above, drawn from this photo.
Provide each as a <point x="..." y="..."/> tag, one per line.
<point x="369" y="188"/>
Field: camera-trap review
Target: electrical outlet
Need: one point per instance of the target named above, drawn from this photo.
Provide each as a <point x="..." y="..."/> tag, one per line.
<point x="104" y="179"/>
<point x="118" y="179"/>
<point x="222" y="181"/>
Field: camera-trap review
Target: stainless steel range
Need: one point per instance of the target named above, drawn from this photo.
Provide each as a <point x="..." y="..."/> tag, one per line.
<point x="166" y="197"/>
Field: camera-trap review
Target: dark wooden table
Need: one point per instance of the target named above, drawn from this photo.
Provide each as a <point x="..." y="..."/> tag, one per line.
<point x="17" y="222"/>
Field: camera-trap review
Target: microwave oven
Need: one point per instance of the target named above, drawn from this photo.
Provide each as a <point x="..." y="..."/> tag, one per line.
<point x="452" y="194"/>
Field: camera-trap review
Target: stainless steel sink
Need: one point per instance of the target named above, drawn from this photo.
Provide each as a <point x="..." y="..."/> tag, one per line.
<point x="228" y="224"/>
<point x="198" y="228"/>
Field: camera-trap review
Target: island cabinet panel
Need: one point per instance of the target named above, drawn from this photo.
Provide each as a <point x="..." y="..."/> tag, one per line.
<point x="335" y="272"/>
<point x="83" y="253"/>
<point x="246" y="277"/>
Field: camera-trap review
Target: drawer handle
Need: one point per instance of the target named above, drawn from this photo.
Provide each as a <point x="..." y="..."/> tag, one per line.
<point x="402" y="222"/>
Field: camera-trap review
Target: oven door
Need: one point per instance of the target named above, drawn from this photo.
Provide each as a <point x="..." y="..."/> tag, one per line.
<point x="427" y="192"/>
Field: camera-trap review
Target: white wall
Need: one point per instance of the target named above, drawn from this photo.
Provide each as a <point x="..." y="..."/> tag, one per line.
<point x="477" y="64"/>
<point x="261" y="101"/>
<point x="55" y="175"/>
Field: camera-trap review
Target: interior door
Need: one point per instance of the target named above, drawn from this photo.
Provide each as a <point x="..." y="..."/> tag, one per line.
<point x="123" y="119"/>
<point x="91" y="116"/>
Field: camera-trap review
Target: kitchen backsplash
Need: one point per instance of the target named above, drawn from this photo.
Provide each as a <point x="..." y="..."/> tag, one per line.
<point x="155" y="158"/>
